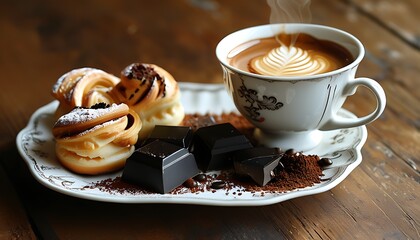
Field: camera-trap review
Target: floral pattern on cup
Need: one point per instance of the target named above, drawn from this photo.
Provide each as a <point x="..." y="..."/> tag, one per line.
<point x="256" y="104"/>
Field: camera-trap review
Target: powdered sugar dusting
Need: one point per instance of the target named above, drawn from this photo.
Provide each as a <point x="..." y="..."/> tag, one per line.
<point x="81" y="71"/>
<point x="81" y="115"/>
<point x="98" y="127"/>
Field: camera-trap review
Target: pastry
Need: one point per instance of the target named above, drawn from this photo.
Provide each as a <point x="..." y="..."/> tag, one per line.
<point x="98" y="139"/>
<point x="83" y="87"/>
<point x="153" y="93"/>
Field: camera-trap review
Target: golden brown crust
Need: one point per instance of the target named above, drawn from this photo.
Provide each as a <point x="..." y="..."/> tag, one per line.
<point x="83" y="87"/>
<point x="153" y="93"/>
<point x="81" y="119"/>
<point x="142" y="85"/>
<point x="130" y="134"/>
<point x="102" y="143"/>
<point x="93" y="141"/>
<point x="86" y="165"/>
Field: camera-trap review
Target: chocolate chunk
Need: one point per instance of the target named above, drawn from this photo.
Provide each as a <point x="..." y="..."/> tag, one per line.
<point x="214" y="144"/>
<point x="160" y="166"/>
<point x="279" y="168"/>
<point x="240" y="157"/>
<point x="178" y="135"/>
<point x="258" y="163"/>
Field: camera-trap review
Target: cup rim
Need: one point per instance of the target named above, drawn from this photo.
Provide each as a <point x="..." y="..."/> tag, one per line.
<point x="354" y="63"/>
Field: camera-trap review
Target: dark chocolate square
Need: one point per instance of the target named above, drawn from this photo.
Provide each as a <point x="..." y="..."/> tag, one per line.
<point x="178" y="135"/>
<point x="258" y="163"/>
<point x="241" y="156"/>
<point x="213" y="145"/>
<point x="160" y="166"/>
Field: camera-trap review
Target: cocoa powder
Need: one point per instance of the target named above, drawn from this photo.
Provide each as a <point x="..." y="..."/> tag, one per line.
<point x="297" y="170"/>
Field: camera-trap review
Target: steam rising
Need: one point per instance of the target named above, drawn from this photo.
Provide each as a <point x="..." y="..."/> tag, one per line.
<point x="290" y="11"/>
<point x="288" y="60"/>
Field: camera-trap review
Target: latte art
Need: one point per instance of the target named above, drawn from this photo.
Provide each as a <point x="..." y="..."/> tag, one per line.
<point x="289" y="55"/>
<point x="290" y="61"/>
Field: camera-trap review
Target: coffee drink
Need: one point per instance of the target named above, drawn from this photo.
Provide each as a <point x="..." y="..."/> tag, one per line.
<point x="289" y="55"/>
<point x="301" y="83"/>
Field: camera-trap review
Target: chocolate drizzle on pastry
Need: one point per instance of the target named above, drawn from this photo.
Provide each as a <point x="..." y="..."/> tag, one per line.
<point x="142" y="72"/>
<point x="100" y="105"/>
<point x="146" y="75"/>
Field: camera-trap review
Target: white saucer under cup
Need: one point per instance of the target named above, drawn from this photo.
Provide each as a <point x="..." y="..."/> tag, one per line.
<point x="289" y="140"/>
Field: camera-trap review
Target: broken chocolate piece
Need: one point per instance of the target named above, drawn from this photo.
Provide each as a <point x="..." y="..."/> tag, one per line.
<point x="160" y="166"/>
<point x="178" y="135"/>
<point x="214" y="144"/>
<point x="258" y="163"/>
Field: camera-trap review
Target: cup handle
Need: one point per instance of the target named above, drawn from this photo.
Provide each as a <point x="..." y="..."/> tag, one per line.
<point x="338" y="122"/>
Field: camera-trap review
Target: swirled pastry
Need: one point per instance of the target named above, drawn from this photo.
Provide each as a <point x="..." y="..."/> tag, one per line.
<point x="83" y="87"/>
<point x="98" y="139"/>
<point x="153" y="93"/>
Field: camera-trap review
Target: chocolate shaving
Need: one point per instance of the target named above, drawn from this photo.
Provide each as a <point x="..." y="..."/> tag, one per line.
<point x="141" y="72"/>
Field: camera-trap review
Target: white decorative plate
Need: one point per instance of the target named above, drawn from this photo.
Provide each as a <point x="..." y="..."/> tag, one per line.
<point x="36" y="145"/>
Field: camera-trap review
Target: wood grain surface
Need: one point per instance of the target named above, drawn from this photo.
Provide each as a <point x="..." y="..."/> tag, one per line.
<point x="42" y="39"/>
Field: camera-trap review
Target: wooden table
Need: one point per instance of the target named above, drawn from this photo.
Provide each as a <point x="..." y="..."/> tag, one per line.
<point x="41" y="40"/>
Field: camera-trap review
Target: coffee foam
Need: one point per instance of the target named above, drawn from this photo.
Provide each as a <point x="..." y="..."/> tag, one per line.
<point x="290" y="61"/>
<point x="295" y="56"/>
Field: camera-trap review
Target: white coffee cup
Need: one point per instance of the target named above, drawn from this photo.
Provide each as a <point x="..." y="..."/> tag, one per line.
<point x="306" y="105"/>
